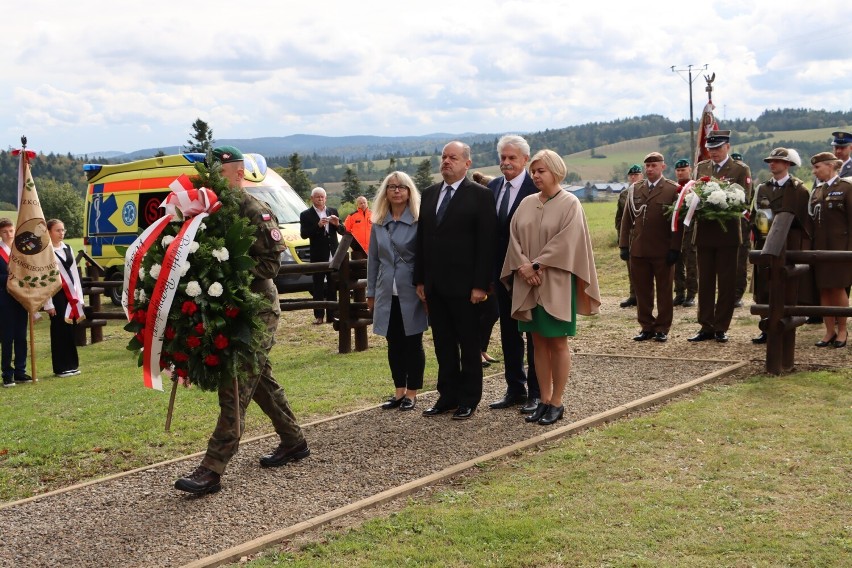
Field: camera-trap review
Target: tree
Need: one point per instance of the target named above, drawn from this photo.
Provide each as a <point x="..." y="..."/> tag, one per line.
<point x="61" y="201"/>
<point x="391" y="166"/>
<point x="202" y="137"/>
<point x="351" y="186"/>
<point x="296" y="177"/>
<point x="423" y="176"/>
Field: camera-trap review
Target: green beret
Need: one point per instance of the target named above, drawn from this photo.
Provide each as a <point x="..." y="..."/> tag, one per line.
<point x="226" y="154"/>
<point x="736" y="156"/>
<point x="635" y="169"/>
<point x="682" y="163"/>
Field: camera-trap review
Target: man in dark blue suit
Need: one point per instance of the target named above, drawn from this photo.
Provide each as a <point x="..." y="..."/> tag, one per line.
<point x="453" y="268"/>
<point x="509" y="189"/>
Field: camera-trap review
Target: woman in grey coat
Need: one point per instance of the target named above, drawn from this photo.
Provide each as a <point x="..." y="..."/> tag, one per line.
<point x="398" y="313"/>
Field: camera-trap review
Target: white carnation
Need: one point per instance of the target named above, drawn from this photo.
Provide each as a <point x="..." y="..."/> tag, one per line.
<point x="193" y="246"/>
<point x="140" y="295"/>
<point x="155" y="271"/>
<point x="141" y="272"/>
<point x="688" y="199"/>
<point x="215" y="290"/>
<point x="738" y="196"/>
<point x="719" y="198"/>
<point x="167" y="240"/>
<point x="184" y="269"/>
<point x="202" y="227"/>
<point x="193" y="289"/>
<point x="711" y="186"/>
<point x="221" y="254"/>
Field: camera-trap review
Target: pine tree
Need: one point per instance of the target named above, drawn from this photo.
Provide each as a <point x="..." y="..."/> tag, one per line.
<point x="423" y="177"/>
<point x="351" y="186"/>
<point x="202" y="137"/>
<point x="296" y="177"/>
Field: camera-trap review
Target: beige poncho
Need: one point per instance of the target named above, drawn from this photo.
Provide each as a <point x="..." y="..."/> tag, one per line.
<point x="555" y="235"/>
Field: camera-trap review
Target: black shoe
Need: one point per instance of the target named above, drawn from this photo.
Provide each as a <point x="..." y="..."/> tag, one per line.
<point x="485" y="364"/>
<point x="689" y="302"/>
<point x="628" y="303"/>
<point x="539" y="412"/>
<point x="553" y="414"/>
<point x="678" y="300"/>
<point x="721" y="337"/>
<point x="702" y="336"/>
<point x="463" y="412"/>
<point x="760" y="339"/>
<point x="830" y="341"/>
<point x="838" y="344"/>
<point x="8" y="383"/>
<point x="531" y="405"/>
<point x="284" y="454"/>
<point x="392" y="402"/>
<point x="436" y="410"/>
<point x="661" y="337"/>
<point x="643" y="336"/>
<point x="200" y="482"/>
<point x="508" y="400"/>
<point x="408" y="403"/>
<point x="23" y="378"/>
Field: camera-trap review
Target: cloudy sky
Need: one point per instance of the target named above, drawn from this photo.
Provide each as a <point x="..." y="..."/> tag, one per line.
<point x="90" y="76"/>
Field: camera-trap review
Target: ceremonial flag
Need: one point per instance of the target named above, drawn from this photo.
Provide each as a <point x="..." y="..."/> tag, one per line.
<point x="33" y="276"/>
<point x="708" y="124"/>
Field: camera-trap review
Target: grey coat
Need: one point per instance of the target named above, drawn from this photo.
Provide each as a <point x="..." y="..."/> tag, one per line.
<point x="384" y="265"/>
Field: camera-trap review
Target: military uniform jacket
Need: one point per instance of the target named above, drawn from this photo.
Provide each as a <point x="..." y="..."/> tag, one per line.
<point x="710" y="233"/>
<point x="831" y="211"/>
<point x="792" y="197"/>
<point x="267" y="247"/>
<point x="645" y="227"/>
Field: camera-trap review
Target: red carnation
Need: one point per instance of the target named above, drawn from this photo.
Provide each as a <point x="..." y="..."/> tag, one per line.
<point x="170" y="333"/>
<point x="181" y="373"/>
<point x="220" y="342"/>
<point x="140" y="316"/>
<point x="705" y="178"/>
<point x="189" y="307"/>
<point x="180" y="357"/>
<point x="193" y="341"/>
<point x="232" y="311"/>
<point x="199" y="328"/>
<point x="211" y="360"/>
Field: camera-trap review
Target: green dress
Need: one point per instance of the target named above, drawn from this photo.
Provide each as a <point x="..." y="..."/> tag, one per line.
<point x="546" y="325"/>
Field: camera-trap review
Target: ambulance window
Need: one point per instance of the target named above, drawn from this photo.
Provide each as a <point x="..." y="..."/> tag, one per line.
<point x="285" y="204"/>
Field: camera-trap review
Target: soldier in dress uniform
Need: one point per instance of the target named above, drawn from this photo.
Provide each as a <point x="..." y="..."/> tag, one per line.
<point x="634" y="174"/>
<point x="781" y="193"/>
<point x="842" y="145"/>
<point x="719" y="267"/>
<point x="259" y="386"/>
<point x="686" y="268"/>
<point x="647" y="240"/>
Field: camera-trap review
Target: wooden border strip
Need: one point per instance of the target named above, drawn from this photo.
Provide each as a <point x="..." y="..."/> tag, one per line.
<point x="234" y="554"/>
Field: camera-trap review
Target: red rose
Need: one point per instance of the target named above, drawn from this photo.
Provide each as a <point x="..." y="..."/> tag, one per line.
<point x="180" y="357"/>
<point x="193" y="341"/>
<point x="140" y="316"/>
<point x="705" y="178"/>
<point x="232" y="311"/>
<point x="199" y="328"/>
<point x="181" y="373"/>
<point x="211" y="360"/>
<point x="220" y="342"/>
<point x="189" y="307"/>
<point x="170" y="333"/>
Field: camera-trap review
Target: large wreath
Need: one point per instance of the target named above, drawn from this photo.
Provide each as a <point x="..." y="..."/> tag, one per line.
<point x="211" y="330"/>
<point x="708" y="198"/>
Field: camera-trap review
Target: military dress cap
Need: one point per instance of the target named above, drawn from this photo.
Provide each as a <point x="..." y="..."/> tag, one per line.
<point x="784" y="155"/>
<point x="635" y="169"/>
<point x="717" y="138"/>
<point x="226" y="154"/>
<point x="682" y="163"/>
<point x="654" y="157"/>
<point x="841" y="138"/>
<point x="824" y="157"/>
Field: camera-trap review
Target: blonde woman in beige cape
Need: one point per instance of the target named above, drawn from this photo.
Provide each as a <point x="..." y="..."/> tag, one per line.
<point x="550" y="270"/>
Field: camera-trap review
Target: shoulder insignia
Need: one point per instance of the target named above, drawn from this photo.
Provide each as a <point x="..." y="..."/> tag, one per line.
<point x="275" y="235"/>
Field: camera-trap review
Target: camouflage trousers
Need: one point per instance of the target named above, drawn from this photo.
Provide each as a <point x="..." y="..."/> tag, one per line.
<point x="259" y="386"/>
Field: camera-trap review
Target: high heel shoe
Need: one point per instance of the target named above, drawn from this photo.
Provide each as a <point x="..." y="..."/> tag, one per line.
<point x="830" y="341"/>
<point x="838" y="344"/>
<point x="539" y="412"/>
<point x="553" y="414"/>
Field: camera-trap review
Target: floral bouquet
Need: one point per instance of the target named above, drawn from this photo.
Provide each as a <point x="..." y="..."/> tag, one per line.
<point x="708" y="198"/>
<point x="187" y="291"/>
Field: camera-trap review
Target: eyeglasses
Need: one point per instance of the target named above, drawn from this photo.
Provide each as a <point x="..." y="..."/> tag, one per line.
<point x="391" y="187"/>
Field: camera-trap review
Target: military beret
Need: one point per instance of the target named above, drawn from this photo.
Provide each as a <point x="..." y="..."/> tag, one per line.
<point x="654" y="157"/>
<point x="717" y="138"/>
<point x="784" y="155"/>
<point x="823" y="157"/>
<point x="226" y="154"/>
<point x="682" y="163"/>
<point x="841" y="138"/>
<point x="635" y="169"/>
<point x="737" y="156"/>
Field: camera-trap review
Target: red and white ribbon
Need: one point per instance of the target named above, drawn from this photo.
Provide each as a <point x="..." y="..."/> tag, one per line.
<point x="73" y="293"/>
<point x="680" y="199"/>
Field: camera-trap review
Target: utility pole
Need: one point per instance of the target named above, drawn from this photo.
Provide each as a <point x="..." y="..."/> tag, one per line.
<point x="689" y="81"/>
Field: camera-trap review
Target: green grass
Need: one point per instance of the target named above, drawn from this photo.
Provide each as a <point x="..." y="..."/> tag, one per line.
<point x="754" y="474"/>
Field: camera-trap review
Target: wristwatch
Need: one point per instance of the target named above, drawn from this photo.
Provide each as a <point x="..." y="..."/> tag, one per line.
<point x="536" y="266"/>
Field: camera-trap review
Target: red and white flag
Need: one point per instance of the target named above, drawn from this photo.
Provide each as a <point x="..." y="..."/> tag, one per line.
<point x="705" y="127"/>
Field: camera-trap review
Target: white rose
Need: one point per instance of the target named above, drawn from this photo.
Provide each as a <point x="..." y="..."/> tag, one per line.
<point x="155" y="271"/>
<point x="193" y="289"/>
<point x="215" y="290"/>
<point x="167" y="240"/>
<point x="718" y="198"/>
<point x="141" y="272"/>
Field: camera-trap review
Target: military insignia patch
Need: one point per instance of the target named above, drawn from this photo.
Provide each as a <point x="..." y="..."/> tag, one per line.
<point x="266" y="217"/>
<point x="275" y="234"/>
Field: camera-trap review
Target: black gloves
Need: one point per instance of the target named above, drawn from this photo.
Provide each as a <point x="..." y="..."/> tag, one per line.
<point x="625" y="253"/>
<point x="672" y="256"/>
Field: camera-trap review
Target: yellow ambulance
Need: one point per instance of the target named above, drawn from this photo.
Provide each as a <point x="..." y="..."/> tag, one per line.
<point x="124" y="199"/>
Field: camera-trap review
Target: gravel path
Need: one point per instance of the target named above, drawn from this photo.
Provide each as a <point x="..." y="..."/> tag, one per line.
<point x="139" y="520"/>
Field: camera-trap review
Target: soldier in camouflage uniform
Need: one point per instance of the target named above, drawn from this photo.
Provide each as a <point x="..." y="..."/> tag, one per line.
<point x="634" y="174"/>
<point x="260" y="386"/>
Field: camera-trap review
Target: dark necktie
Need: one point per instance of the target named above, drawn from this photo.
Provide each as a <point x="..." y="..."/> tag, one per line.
<point x="716" y="168"/>
<point x="445" y="202"/>
<point x="503" y="212"/>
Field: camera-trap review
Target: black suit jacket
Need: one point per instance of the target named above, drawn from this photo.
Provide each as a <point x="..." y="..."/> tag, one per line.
<point x="457" y="255"/>
<point x="502" y="232"/>
<point x="322" y="244"/>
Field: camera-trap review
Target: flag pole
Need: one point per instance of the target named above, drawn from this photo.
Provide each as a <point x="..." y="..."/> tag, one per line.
<point x="171" y="403"/>
<point x="30" y="318"/>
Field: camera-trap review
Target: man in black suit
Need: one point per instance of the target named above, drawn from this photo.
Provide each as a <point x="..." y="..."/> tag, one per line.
<point x="320" y="224"/>
<point x="453" y="269"/>
<point x="508" y="190"/>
